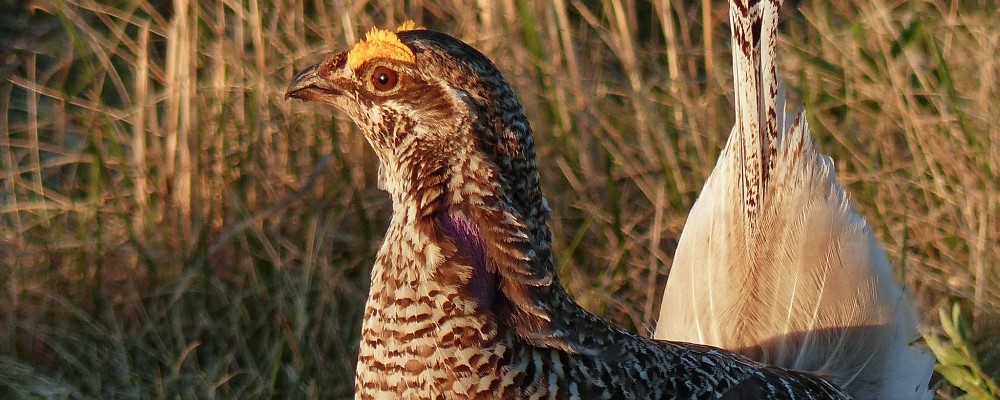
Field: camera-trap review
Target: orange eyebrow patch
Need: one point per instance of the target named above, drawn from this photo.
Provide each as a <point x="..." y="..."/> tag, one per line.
<point x="380" y="43"/>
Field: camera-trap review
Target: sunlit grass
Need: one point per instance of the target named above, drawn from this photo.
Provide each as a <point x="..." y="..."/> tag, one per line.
<point x="172" y="228"/>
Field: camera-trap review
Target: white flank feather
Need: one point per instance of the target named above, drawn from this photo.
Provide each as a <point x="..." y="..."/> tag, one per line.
<point x="774" y="262"/>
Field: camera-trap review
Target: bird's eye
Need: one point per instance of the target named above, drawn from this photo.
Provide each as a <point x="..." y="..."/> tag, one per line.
<point x="384" y="78"/>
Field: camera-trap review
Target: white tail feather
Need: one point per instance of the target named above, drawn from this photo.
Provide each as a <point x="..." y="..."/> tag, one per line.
<point x="774" y="262"/>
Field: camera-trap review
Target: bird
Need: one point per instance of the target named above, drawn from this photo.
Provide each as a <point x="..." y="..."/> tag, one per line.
<point x="464" y="300"/>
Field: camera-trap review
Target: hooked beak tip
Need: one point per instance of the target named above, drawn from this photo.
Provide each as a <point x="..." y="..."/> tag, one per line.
<point x="301" y="82"/>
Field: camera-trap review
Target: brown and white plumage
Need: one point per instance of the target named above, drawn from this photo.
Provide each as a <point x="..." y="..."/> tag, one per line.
<point x="464" y="300"/>
<point x="774" y="262"/>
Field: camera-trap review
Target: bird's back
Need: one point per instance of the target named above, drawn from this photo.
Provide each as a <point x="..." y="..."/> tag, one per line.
<point x="774" y="262"/>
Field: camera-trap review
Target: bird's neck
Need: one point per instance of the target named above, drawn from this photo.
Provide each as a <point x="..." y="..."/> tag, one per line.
<point x="426" y="320"/>
<point x="465" y="292"/>
<point x="465" y="274"/>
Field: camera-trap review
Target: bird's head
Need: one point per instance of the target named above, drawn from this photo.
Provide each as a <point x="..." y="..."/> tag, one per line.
<point x="456" y="155"/>
<point x="441" y="118"/>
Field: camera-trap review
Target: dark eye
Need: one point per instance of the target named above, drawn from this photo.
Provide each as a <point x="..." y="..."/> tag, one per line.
<point x="384" y="78"/>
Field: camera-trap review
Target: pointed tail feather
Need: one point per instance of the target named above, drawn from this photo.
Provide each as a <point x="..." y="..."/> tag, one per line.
<point x="774" y="262"/>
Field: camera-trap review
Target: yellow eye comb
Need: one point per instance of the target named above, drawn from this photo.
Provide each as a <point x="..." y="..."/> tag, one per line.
<point x="381" y="43"/>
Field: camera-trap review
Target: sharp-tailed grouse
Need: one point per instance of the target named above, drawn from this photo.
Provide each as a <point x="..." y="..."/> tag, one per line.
<point x="465" y="303"/>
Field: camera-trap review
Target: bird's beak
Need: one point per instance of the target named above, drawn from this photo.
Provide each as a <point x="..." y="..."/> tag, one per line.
<point x="308" y="85"/>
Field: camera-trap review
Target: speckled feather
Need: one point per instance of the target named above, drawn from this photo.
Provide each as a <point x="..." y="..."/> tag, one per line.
<point x="464" y="300"/>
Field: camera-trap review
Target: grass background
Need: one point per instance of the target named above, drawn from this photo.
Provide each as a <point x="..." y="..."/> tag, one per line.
<point x="171" y="228"/>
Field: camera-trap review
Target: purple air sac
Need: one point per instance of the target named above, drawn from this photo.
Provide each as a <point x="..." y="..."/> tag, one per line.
<point x="465" y="235"/>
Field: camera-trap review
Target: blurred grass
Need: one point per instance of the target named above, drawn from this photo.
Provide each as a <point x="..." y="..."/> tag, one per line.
<point x="170" y="227"/>
<point x="956" y="361"/>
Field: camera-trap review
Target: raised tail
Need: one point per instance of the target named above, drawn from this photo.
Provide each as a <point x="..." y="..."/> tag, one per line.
<point x="774" y="262"/>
